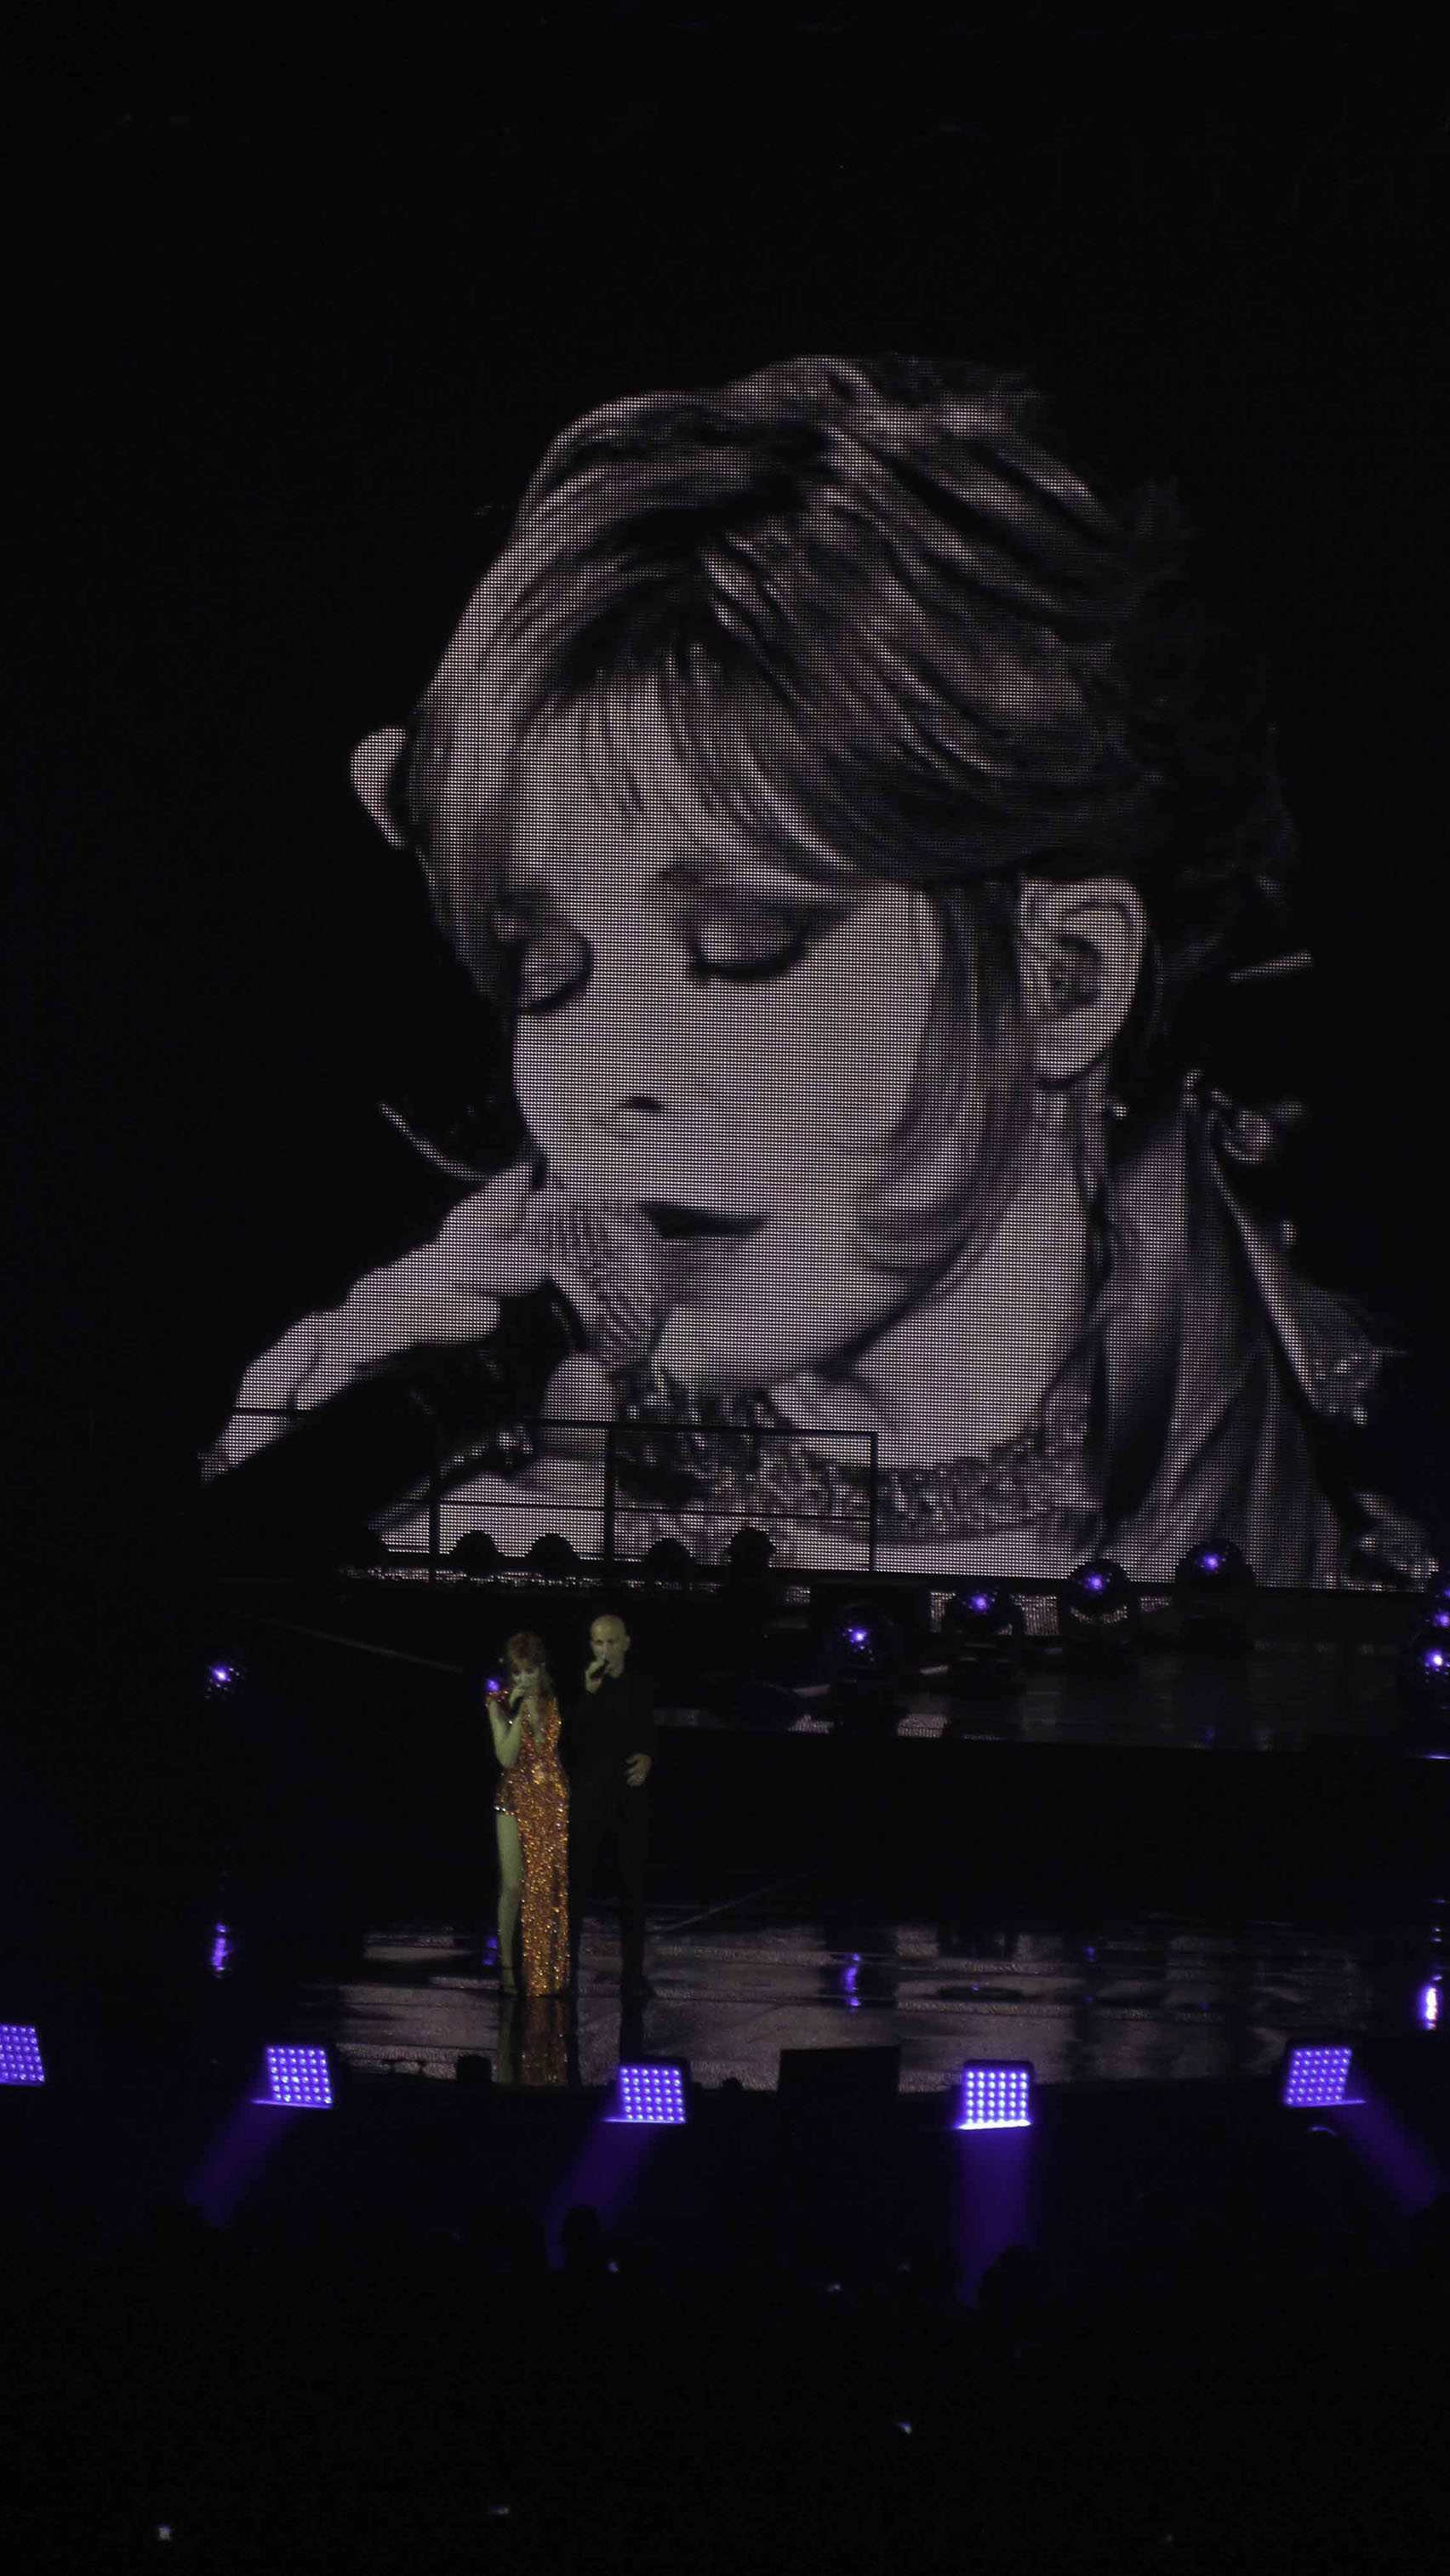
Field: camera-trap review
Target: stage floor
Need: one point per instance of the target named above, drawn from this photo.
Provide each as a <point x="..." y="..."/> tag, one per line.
<point x="1159" y="1875"/>
<point x="784" y="1964"/>
<point x="1286" y="1695"/>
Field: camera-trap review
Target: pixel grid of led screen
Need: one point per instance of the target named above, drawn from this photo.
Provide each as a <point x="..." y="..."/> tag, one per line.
<point x="857" y="828"/>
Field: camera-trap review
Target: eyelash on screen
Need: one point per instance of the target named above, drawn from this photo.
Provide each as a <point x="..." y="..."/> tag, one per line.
<point x="534" y="1006"/>
<point x="752" y="970"/>
<point x="515" y="949"/>
<point x="806" y="935"/>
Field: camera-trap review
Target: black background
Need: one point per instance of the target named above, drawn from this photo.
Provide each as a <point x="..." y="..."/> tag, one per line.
<point x="292" y="344"/>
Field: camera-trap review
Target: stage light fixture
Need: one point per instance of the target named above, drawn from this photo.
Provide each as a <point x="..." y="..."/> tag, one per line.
<point x="222" y="1678"/>
<point x="1097" y="1608"/>
<point x="20" y="2058"/>
<point x="749" y="1553"/>
<point x="1423" y="1680"/>
<point x="994" y="2096"/>
<point x="669" y="1561"/>
<point x="1317" y="2078"/>
<point x="861" y="1662"/>
<point x="298" y="2079"/>
<point x="650" y="2097"/>
<point x="983" y="1633"/>
<point x="1427" y="2005"/>
<point x="1213" y="1593"/>
<point x="475" y="1553"/>
<point x="553" y="1554"/>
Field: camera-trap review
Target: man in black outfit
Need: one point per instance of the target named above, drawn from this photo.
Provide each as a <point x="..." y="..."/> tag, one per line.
<point x="608" y="1751"/>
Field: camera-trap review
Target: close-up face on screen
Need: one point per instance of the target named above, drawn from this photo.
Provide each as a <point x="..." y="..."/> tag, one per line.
<point x="715" y="1040"/>
<point x="840" y="800"/>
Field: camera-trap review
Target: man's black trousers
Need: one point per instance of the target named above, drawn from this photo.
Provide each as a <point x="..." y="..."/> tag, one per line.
<point x="604" y="1810"/>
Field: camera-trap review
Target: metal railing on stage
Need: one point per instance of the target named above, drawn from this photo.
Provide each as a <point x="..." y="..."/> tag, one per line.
<point x="578" y="1443"/>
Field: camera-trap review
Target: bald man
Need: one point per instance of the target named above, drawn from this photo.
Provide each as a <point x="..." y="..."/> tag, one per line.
<point x="608" y="1747"/>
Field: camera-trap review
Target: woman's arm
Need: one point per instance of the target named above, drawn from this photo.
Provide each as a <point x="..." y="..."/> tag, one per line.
<point x="505" y="1733"/>
<point x="447" y="1292"/>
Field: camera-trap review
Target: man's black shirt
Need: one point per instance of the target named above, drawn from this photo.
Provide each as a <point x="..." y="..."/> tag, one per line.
<point x="605" y="1726"/>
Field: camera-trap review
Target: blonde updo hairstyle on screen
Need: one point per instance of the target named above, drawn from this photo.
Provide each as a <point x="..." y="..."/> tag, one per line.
<point x="894" y="633"/>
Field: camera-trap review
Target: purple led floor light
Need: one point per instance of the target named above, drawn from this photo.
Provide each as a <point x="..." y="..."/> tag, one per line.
<point x="295" y="2079"/>
<point x="1316" y="2079"/>
<point x="991" y="2175"/>
<point x="20" y="2061"/>
<point x="618" y="2152"/>
<point x="298" y="2079"/>
<point x="995" y="2097"/>
<point x="651" y="2097"/>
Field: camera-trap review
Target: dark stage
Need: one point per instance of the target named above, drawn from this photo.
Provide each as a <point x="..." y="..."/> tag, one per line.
<point x="1164" y="1872"/>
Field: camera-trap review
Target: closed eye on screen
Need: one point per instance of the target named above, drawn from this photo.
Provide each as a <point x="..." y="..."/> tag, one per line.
<point x="750" y="970"/>
<point x="573" y="959"/>
<point x="791" y="935"/>
<point x="771" y="941"/>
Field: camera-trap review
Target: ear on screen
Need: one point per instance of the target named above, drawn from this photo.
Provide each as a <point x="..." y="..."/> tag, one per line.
<point x="1095" y="931"/>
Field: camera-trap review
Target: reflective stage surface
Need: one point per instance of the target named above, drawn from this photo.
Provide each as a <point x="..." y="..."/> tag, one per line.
<point x="1281" y="1698"/>
<point x="1163" y="1873"/>
<point x="786" y="1965"/>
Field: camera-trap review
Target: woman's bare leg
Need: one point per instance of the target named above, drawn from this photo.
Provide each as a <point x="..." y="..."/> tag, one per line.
<point x="510" y="1890"/>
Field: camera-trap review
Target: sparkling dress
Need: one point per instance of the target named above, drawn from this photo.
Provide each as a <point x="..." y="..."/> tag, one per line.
<point x="536" y="1794"/>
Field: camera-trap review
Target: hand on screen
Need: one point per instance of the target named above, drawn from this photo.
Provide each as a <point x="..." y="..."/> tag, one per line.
<point x="447" y="1291"/>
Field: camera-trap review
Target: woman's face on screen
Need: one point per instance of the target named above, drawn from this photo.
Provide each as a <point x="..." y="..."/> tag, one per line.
<point x="711" y="1038"/>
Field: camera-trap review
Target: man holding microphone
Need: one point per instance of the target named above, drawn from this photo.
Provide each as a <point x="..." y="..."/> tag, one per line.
<point x="608" y="1749"/>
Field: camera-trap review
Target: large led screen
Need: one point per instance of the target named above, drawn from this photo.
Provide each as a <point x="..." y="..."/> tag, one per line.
<point x="855" y="824"/>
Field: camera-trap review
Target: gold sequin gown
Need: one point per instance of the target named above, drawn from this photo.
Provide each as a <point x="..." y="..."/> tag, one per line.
<point x="536" y="1794"/>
